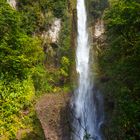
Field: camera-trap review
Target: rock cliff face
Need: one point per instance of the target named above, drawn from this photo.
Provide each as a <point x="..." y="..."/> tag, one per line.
<point x="50" y="40"/>
<point x="98" y="36"/>
<point x="53" y="33"/>
<point x="54" y="30"/>
<point x="12" y="3"/>
<point x="99" y="28"/>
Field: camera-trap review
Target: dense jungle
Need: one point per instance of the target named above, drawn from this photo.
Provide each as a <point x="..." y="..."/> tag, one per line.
<point x="38" y="76"/>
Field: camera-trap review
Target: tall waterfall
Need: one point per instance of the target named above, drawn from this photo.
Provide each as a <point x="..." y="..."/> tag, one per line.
<point x="87" y="102"/>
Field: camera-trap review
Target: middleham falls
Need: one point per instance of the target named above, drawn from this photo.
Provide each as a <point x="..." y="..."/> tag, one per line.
<point x="69" y="69"/>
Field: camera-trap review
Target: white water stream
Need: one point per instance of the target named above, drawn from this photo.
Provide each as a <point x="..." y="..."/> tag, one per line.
<point x="87" y="102"/>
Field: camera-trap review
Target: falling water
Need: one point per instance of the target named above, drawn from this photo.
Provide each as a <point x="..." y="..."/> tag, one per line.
<point x="87" y="102"/>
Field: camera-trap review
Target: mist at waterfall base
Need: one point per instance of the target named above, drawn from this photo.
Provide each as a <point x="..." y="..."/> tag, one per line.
<point x="87" y="111"/>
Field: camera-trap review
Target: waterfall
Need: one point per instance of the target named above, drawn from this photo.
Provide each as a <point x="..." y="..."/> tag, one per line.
<point x="87" y="102"/>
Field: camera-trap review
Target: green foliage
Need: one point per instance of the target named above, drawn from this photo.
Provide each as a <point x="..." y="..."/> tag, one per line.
<point x="65" y="37"/>
<point x="64" y="70"/>
<point x="41" y="80"/>
<point x="19" y="55"/>
<point x="120" y="62"/>
<point x="96" y="8"/>
<point x="34" y="16"/>
<point x="87" y="136"/>
<point x="65" y="50"/>
<point x="16" y="97"/>
<point x="37" y="15"/>
<point x="22" y="74"/>
<point x="18" y="52"/>
<point x="58" y="7"/>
